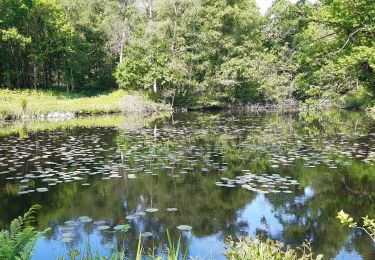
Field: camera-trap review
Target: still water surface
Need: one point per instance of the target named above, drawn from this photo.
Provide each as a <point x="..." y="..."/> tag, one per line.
<point x="283" y="176"/>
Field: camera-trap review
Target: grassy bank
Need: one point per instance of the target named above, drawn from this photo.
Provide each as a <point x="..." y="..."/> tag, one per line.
<point x="31" y="103"/>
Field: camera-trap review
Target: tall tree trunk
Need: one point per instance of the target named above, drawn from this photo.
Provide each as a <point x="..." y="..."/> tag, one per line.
<point x="150" y="9"/>
<point x="174" y="26"/>
<point x="122" y="47"/>
<point x="155" y="86"/>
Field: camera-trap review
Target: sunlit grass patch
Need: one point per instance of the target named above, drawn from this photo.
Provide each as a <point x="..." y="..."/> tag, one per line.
<point x="35" y="103"/>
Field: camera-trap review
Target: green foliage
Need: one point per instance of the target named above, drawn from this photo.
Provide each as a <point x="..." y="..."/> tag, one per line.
<point x="14" y="104"/>
<point x="18" y="241"/>
<point x="368" y="223"/>
<point x="254" y="249"/>
<point x="192" y="53"/>
<point x="43" y="47"/>
<point x="336" y="50"/>
<point x="131" y="73"/>
<point x="358" y="99"/>
<point x="174" y="250"/>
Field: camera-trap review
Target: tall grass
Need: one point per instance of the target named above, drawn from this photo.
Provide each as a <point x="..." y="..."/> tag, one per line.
<point x="33" y="103"/>
<point x="15" y="104"/>
<point x="174" y="250"/>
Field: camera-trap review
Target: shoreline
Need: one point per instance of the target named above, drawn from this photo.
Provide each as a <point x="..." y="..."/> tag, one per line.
<point x="250" y="108"/>
<point x="29" y="105"/>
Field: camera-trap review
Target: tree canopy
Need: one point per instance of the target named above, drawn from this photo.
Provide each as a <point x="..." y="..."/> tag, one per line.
<point x="192" y="51"/>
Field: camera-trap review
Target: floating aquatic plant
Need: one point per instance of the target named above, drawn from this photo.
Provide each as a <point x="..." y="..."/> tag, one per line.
<point x="184" y="228"/>
<point x="85" y="219"/>
<point x="103" y="227"/>
<point x="263" y="183"/>
<point x="152" y="210"/>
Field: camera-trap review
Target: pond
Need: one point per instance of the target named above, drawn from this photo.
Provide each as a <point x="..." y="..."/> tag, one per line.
<point x="201" y="176"/>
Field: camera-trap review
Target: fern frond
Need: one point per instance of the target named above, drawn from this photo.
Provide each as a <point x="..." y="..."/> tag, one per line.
<point x="18" y="241"/>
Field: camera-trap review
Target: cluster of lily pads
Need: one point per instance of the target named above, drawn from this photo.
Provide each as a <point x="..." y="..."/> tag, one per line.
<point x="68" y="234"/>
<point x="48" y="159"/>
<point x="68" y="230"/>
<point x="314" y="149"/>
<point x="263" y="183"/>
<point x="37" y="163"/>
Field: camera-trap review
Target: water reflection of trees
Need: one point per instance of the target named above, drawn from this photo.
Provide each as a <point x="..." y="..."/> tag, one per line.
<point x="215" y="210"/>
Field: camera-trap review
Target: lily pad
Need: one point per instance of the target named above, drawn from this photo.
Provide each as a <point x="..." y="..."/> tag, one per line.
<point x="85" y="219"/>
<point x="71" y="223"/>
<point x="68" y="234"/>
<point x="140" y="213"/>
<point x="152" y="210"/>
<point x="99" y="222"/>
<point x="147" y="234"/>
<point x="66" y="239"/>
<point x="118" y="227"/>
<point x="103" y="227"/>
<point x="41" y="189"/>
<point x="184" y="228"/>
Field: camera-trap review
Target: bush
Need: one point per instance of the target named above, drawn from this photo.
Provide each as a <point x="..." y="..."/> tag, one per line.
<point x="368" y="224"/>
<point x="137" y="103"/>
<point x="247" y="248"/>
<point x="358" y="99"/>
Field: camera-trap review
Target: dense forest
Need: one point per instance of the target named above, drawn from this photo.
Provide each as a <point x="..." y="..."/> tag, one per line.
<point x="190" y="51"/>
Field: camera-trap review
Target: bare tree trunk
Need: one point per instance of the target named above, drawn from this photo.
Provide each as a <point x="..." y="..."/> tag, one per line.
<point x="174" y="25"/>
<point x="357" y="82"/>
<point x="155" y="86"/>
<point x="121" y="52"/>
<point x="122" y="47"/>
<point x="150" y="9"/>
